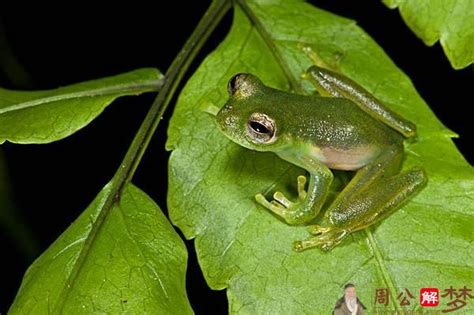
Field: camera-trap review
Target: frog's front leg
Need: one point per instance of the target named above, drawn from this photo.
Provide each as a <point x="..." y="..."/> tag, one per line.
<point x="308" y="203"/>
<point x="374" y="193"/>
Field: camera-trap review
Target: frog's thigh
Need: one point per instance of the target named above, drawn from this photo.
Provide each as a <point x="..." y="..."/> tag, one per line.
<point x="378" y="201"/>
<point x="397" y="191"/>
<point x="384" y="166"/>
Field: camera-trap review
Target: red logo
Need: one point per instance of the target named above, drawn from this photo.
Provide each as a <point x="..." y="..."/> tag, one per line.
<point x="429" y="297"/>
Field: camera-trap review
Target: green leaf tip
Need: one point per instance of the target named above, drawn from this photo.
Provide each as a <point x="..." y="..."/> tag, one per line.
<point x="46" y="116"/>
<point x="450" y="22"/>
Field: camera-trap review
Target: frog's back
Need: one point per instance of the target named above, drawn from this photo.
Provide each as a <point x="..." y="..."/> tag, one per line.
<point x="339" y="122"/>
<point x="339" y="133"/>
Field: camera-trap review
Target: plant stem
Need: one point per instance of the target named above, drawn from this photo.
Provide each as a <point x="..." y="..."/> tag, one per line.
<point x="139" y="144"/>
<point x="173" y="76"/>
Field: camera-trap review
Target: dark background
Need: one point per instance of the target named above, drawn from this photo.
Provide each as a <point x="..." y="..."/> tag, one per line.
<point x="70" y="43"/>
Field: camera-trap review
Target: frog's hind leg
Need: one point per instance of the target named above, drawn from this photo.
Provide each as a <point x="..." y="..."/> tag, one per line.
<point x="329" y="83"/>
<point x="397" y="191"/>
<point x="374" y="193"/>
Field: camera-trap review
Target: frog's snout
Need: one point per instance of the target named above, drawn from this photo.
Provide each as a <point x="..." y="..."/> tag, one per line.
<point x="226" y="119"/>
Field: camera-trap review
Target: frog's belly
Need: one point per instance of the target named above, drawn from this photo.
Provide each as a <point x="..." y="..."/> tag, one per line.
<point x="348" y="160"/>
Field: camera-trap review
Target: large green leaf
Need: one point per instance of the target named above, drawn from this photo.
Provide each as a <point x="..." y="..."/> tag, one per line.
<point x="242" y="247"/>
<point x="46" y="116"/>
<point x="449" y="21"/>
<point x="134" y="263"/>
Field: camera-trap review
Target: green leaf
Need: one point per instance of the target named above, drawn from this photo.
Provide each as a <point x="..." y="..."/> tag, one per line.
<point x="449" y="21"/>
<point x="244" y="248"/>
<point x="135" y="264"/>
<point x="46" y="116"/>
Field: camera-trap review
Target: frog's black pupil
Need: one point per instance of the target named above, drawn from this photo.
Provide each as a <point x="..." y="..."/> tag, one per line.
<point x="258" y="127"/>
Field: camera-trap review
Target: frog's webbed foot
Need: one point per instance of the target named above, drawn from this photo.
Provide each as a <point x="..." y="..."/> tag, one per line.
<point x="327" y="238"/>
<point x="282" y="206"/>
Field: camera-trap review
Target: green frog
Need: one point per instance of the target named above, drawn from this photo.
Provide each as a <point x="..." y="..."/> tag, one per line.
<point x="342" y="128"/>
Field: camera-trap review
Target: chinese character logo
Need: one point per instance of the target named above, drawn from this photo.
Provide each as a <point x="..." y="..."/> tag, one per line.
<point x="381" y="296"/>
<point x="458" y="299"/>
<point x="429" y="297"/>
<point x="404" y="297"/>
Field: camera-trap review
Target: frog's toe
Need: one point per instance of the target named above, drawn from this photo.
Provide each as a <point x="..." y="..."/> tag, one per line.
<point x="273" y="206"/>
<point x="277" y="204"/>
<point x="301" y="183"/>
<point x="280" y="197"/>
<point x="324" y="244"/>
<point x="326" y="247"/>
<point x="263" y="201"/>
<point x="318" y="229"/>
<point x="299" y="246"/>
<point x="326" y="240"/>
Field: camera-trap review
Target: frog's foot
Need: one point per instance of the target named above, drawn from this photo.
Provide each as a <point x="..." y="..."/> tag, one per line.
<point x="282" y="206"/>
<point x="318" y="229"/>
<point x="312" y="55"/>
<point x="327" y="239"/>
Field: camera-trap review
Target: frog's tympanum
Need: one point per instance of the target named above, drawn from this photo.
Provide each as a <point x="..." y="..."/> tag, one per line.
<point x="343" y="128"/>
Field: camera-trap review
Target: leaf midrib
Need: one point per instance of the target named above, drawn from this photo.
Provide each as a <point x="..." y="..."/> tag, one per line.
<point x="377" y="253"/>
<point x="152" y="85"/>
<point x="274" y="50"/>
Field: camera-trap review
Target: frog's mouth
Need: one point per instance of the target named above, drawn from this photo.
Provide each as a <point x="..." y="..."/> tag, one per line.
<point x="229" y="126"/>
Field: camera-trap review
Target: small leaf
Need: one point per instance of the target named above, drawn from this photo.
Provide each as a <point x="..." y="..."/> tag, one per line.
<point x="134" y="264"/>
<point x="46" y="116"/>
<point x="243" y="247"/>
<point x="450" y="21"/>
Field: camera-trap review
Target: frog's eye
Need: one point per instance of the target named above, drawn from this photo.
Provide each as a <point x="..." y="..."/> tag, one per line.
<point x="233" y="84"/>
<point x="261" y="128"/>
